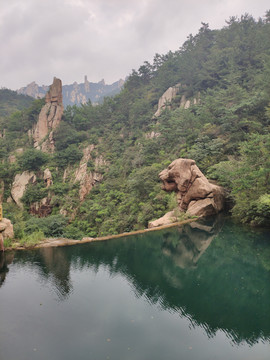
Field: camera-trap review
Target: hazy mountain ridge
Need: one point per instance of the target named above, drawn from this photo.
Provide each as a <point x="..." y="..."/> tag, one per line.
<point x="76" y="94"/>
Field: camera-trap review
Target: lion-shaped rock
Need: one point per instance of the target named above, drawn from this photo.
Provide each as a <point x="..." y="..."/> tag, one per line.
<point x="195" y="194"/>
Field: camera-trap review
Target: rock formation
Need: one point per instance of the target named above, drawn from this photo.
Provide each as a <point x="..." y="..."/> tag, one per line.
<point x="167" y="98"/>
<point x="47" y="177"/>
<point x="19" y="185"/>
<point x="88" y="177"/>
<point x="195" y="194"/>
<point x="6" y="231"/>
<point x="49" y="118"/>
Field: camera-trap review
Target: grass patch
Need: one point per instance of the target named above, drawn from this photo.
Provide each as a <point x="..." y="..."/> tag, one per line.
<point x="32" y="239"/>
<point x="8" y="242"/>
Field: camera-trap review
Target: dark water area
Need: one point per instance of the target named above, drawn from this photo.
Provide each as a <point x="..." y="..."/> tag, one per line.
<point x="200" y="291"/>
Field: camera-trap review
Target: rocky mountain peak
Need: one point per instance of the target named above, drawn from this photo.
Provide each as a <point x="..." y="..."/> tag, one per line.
<point x="54" y="95"/>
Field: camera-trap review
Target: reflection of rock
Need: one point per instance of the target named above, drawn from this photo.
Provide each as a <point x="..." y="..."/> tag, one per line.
<point x="192" y="242"/>
<point x="194" y="192"/>
<point x="5" y="260"/>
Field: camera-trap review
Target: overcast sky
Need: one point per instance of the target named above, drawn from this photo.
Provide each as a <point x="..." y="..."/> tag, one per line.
<point x="106" y="39"/>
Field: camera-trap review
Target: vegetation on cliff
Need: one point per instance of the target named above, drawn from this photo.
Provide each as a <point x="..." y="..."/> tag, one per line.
<point x="226" y="131"/>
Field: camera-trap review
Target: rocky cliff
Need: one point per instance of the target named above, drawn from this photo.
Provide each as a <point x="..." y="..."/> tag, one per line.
<point x="77" y="93"/>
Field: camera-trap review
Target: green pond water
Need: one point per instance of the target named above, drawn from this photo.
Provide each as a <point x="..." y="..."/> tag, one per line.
<point x="201" y="291"/>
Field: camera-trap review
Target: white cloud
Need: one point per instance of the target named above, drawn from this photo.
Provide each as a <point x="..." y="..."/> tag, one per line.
<point x="101" y="38"/>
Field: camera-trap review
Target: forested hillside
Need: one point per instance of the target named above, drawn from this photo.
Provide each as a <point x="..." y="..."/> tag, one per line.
<point x="10" y="102"/>
<point x="220" y="117"/>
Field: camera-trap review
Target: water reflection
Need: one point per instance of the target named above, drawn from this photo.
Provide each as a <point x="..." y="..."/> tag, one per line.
<point x="192" y="241"/>
<point x="5" y="260"/>
<point x="214" y="274"/>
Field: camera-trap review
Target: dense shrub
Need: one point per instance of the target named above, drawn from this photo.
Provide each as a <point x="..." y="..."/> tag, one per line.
<point x="32" y="160"/>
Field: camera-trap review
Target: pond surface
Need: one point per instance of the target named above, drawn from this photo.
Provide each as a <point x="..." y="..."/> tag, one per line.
<point x="197" y="292"/>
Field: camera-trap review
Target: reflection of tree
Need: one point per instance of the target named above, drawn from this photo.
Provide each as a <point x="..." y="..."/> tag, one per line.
<point x="226" y="287"/>
<point x="57" y="265"/>
<point x="53" y="265"/>
<point x="5" y="260"/>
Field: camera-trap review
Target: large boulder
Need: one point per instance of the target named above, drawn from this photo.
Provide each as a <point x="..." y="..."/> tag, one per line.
<point x="195" y="194"/>
<point x="49" y="118"/>
<point x="6" y="231"/>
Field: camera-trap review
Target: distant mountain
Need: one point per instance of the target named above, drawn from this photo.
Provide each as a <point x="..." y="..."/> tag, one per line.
<point x="76" y="93"/>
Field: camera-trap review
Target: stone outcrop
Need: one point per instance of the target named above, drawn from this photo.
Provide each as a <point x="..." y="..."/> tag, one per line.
<point x="166" y="99"/>
<point x="195" y="194"/>
<point x="49" y="118"/>
<point x="47" y="177"/>
<point x="186" y="103"/>
<point x="6" y="231"/>
<point x="19" y="185"/>
<point x="152" y="135"/>
<point x="88" y="177"/>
